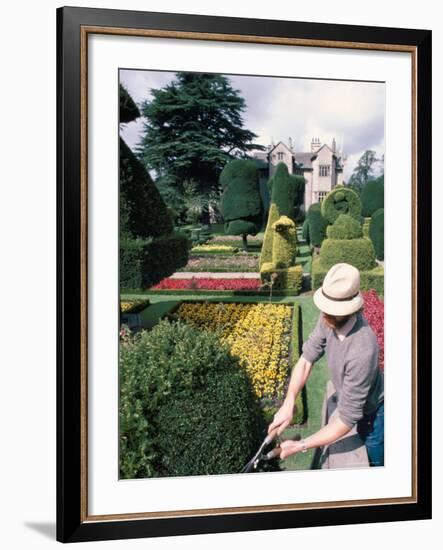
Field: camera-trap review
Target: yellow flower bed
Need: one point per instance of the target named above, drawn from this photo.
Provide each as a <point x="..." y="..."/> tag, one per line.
<point x="214" y="248"/>
<point x="258" y="334"/>
<point x="129" y="305"/>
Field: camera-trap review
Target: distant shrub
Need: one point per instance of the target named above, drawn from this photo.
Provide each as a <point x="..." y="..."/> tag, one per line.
<point x="377" y="232"/>
<point x="316" y="224"/>
<point x="372" y="197"/>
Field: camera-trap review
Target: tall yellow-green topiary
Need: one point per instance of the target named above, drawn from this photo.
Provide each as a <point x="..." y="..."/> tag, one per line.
<point x="279" y="250"/>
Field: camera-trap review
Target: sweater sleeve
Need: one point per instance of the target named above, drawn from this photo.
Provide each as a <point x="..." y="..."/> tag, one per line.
<point x="314" y="347"/>
<point x="358" y="377"/>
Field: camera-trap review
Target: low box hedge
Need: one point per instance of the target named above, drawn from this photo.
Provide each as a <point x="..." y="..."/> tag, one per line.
<point x="287" y="278"/>
<point x="373" y="278"/>
<point x="145" y="262"/>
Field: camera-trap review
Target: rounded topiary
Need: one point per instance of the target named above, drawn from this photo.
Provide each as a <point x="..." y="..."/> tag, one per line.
<point x="173" y="364"/>
<point x="358" y="252"/>
<point x="341" y="200"/>
<point x="377" y="232"/>
<point x="372" y="197"/>
<point x="345" y="227"/>
<point x="316" y="225"/>
<point x="214" y="430"/>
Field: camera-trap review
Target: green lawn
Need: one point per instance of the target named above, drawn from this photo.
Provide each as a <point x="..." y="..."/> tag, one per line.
<point x="316" y="385"/>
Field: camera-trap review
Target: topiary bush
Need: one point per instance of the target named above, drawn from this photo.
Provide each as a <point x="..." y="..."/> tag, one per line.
<point x="284" y="246"/>
<point x="186" y="406"/>
<point x="241" y="203"/>
<point x="316" y="225"/>
<point x="282" y="278"/>
<point x="357" y="252"/>
<point x="283" y="189"/>
<point x="372" y="197"/>
<point x="377" y="233"/>
<point x="344" y="227"/>
<point x="341" y="200"/>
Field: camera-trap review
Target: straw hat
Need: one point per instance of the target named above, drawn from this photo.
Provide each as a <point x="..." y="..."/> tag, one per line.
<point x="340" y="293"/>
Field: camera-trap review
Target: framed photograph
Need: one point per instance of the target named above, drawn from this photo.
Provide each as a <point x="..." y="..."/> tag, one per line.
<point x="235" y="317"/>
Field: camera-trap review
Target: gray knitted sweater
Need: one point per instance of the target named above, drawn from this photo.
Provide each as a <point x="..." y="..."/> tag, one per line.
<point x="353" y="367"/>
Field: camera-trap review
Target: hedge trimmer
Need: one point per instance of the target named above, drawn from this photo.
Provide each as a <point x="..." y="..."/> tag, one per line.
<point x="259" y="455"/>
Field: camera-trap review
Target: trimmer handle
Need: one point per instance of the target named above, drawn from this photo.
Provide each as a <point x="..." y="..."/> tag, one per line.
<point x="275" y="453"/>
<point x="271" y="436"/>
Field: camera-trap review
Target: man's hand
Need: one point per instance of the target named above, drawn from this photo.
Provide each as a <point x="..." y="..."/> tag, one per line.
<point x="282" y="418"/>
<point x="289" y="447"/>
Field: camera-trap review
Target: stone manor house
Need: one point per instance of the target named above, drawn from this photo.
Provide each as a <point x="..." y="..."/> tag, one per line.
<point x="322" y="166"/>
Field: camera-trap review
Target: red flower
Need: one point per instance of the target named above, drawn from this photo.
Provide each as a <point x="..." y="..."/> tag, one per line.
<point x="207" y="284"/>
<point x="374" y="311"/>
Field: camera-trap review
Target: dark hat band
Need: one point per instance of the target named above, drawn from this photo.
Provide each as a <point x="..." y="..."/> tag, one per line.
<point x="338" y="299"/>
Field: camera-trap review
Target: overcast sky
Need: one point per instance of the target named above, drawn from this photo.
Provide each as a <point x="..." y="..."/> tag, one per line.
<point x="279" y="108"/>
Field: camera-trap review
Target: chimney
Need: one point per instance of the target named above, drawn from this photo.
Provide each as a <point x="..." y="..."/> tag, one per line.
<point x="334" y="146"/>
<point x="315" y="145"/>
<point x="290" y="143"/>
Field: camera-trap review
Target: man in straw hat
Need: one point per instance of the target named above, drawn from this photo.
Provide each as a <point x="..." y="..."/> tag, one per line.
<point x="352" y="354"/>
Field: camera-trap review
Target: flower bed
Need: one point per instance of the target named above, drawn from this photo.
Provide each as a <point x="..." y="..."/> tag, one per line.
<point x="133" y="306"/>
<point x="198" y="283"/>
<point x="214" y="249"/>
<point x="259" y="334"/>
<point x="374" y="313"/>
<point x="222" y="263"/>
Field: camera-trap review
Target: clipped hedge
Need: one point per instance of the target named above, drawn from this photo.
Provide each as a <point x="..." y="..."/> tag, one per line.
<point x="186" y="407"/>
<point x="145" y="262"/>
<point x="377" y="232"/>
<point x="344" y="227"/>
<point x="341" y="200"/>
<point x="286" y="278"/>
<point x="370" y="279"/>
<point x="358" y="252"/>
<point x="315" y="230"/>
<point x="372" y="197"/>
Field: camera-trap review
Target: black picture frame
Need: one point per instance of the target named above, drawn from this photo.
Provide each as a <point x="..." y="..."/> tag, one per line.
<point x="72" y="523"/>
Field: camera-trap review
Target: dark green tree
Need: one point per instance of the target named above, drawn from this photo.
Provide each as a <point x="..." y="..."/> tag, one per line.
<point x="193" y="126"/>
<point x="241" y="203"/>
<point x="364" y="171"/>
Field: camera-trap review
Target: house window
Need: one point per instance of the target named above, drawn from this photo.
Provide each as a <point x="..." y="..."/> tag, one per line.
<point x="321" y="195"/>
<point x="280" y="156"/>
<point x="325" y="170"/>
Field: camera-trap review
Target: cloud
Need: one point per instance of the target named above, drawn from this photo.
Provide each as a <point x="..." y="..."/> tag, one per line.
<point x="351" y="112"/>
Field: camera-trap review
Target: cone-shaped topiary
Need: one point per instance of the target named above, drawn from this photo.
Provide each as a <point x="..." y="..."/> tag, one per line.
<point x="315" y="230"/>
<point x="128" y="109"/>
<point x="377" y="232"/>
<point x="341" y="200"/>
<point x="149" y="248"/>
<point x="241" y="204"/>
